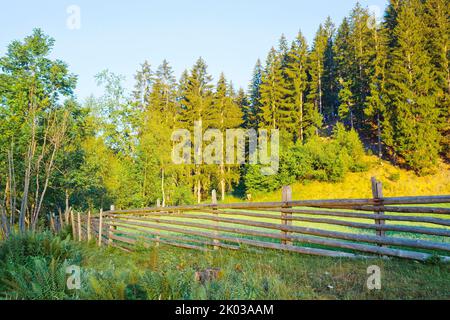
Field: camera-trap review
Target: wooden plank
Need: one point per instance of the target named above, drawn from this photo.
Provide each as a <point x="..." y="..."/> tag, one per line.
<point x="377" y="193"/>
<point x="399" y="228"/>
<point x="299" y="203"/>
<point x="88" y="226"/>
<point x="413" y="243"/>
<point x="72" y="222"/>
<point x="214" y="203"/>
<point x="134" y="241"/>
<point x="79" y="226"/>
<point x="173" y="237"/>
<point x="311" y="240"/>
<point x="100" y="228"/>
<point x="419" y="210"/>
<point x="431" y="220"/>
<point x="268" y="245"/>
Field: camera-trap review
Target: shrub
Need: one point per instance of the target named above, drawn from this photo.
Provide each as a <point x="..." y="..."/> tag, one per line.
<point x="317" y="159"/>
<point x="33" y="266"/>
<point x="394" y="177"/>
<point x="182" y="196"/>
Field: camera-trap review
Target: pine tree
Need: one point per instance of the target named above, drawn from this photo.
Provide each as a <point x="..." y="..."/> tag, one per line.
<point x="226" y="115"/>
<point x="196" y="97"/>
<point x="437" y="15"/>
<point x="252" y="114"/>
<point x="163" y="94"/>
<point x="329" y="79"/>
<point x="413" y="111"/>
<point x="272" y="91"/>
<point x="142" y="88"/>
<point x="316" y="62"/>
<point x="296" y="72"/>
<point x="347" y="102"/>
<point x="362" y="51"/>
<point x="375" y="105"/>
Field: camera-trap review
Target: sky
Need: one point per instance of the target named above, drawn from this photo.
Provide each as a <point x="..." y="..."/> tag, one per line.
<point x="120" y="35"/>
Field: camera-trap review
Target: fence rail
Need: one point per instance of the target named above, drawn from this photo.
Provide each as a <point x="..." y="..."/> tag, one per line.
<point x="351" y="228"/>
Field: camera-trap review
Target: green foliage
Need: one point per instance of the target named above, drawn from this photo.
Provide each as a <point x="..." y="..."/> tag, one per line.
<point x="317" y="159"/>
<point x="182" y="196"/>
<point x="244" y="274"/>
<point x="33" y="266"/>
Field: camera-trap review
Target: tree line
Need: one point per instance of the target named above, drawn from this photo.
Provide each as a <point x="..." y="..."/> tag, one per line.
<point x="386" y="84"/>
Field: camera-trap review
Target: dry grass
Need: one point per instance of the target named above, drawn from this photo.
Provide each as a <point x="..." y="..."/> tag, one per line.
<point x="396" y="182"/>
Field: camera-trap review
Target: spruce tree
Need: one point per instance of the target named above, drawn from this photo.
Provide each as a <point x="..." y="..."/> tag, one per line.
<point x="252" y="114"/>
<point x="316" y="58"/>
<point x="272" y="91"/>
<point x="196" y="97"/>
<point x="437" y="15"/>
<point x="142" y="88"/>
<point x="411" y="87"/>
<point x="296" y="72"/>
<point x="163" y="94"/>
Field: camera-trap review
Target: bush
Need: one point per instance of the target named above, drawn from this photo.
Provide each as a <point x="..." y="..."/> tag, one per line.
<point x="33" y="266"/>
<point x="182" y="196"/>
<point x="318" y="159"/>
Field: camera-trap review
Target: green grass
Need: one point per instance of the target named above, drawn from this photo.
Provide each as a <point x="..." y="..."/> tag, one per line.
<point x="37" y="272"/>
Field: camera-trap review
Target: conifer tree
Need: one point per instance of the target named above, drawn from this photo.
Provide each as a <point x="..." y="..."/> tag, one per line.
<point x="252" y="114"/>
<point x="329" y="79"/>
<point x="347" y="102"/>
<point x="437" y="15"/>
<point x="226" y="115"/>
<point x="195" y="105"/>
<point x="163" y="94"/>
<point x="272" y="91"/>
<point x="142" y="87"/>
<point x="296" y="72"/>
<point x="413" y="111"/>
<point x="375" y="105"/>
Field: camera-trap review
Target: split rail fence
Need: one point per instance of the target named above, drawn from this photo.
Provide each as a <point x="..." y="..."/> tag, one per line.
<point x="407" y="227"/>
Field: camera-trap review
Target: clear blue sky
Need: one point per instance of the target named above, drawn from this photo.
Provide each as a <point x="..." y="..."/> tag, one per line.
<point x="119" y="35"/>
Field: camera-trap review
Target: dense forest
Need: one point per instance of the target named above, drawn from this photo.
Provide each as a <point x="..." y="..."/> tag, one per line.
<point x="360" y="86"/>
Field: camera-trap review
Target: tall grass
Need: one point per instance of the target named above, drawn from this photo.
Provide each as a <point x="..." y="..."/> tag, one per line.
<point x="33" y="267"/>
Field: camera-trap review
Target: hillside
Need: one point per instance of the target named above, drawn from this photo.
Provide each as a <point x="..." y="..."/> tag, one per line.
<point x="396" y="182"/>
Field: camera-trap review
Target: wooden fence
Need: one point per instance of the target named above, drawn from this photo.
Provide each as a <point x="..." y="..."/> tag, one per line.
<point x="396" y="227"/>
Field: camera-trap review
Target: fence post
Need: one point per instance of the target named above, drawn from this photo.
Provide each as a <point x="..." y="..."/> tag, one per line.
<point x="158" y="205"/>
<point x="88" y="226"/>
<point x="66" y="214"/>
<point x="377" y="192"/>
<point x="110" y="233"/>
<point x="214" y="203"/>
<point x="61" y="220"/>
<point x="100" y="228"/>
<point x="72" y="222"/>
<point x="79" y="226"/>
<point x="286" y="196"/>
<point x="52" y="223"/>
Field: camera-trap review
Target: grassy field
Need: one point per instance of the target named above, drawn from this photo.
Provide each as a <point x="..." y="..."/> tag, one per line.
<point x="33" y="267"/>
<point x="396" y="182"/>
